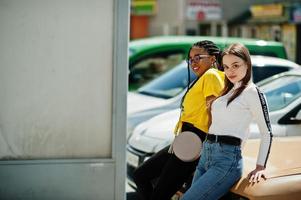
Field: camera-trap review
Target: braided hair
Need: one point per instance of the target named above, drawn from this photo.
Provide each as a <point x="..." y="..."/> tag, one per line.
<point x="212" y="49"/>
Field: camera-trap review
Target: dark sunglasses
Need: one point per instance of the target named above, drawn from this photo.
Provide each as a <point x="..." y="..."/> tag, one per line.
<point x="196" y="59"/>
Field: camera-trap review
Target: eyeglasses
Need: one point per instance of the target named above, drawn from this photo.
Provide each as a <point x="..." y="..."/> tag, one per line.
<point x="196" y="59"/>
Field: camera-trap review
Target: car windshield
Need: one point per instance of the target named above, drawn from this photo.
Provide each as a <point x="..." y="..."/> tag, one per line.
<point x="282" y="91"/>
<point x="169" y="84"/>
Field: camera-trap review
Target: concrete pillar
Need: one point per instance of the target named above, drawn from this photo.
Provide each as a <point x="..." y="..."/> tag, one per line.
<point x="224" y="29"/>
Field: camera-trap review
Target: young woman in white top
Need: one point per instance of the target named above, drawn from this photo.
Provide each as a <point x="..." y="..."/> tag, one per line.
<point x="241" y="102"/>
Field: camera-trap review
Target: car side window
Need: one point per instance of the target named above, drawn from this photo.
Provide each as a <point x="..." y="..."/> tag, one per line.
<point x="152" y="66"/>
<point x="260" y="73"/>
<point x="282" y="91"/>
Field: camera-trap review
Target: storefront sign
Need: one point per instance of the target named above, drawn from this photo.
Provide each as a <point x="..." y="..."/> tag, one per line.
<point x="143" y="7"/>
<point x="296" y="14"/>
<point x="269" y="10"/>
<point x="203" y="10"/>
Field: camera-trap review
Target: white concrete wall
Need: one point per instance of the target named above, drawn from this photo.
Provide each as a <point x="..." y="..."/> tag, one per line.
<point x="63" y="92"/>
<point x="56" y="78"/>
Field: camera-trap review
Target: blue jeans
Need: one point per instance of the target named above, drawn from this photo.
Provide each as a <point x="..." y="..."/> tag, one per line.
<point x="219" y="168"/>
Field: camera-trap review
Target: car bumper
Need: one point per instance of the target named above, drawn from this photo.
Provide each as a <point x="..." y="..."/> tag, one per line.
<point x="133" y="160"/>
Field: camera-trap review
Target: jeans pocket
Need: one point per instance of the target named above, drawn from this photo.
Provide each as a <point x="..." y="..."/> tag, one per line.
<point x="227" y="149"/>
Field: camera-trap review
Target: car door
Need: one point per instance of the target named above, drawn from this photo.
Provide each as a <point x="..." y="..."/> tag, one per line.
<point x="292" y="120"/>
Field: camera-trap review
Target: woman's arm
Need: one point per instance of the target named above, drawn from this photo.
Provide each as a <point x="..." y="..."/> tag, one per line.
<point x="209" y="101"/>
<point x="213" y="85"/>
<point x="259" y="110"/>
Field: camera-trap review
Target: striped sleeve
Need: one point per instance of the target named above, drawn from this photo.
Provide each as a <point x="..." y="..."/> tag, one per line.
<point x="259" y="109"/>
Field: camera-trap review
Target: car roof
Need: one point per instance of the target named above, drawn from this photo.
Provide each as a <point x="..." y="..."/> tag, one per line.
<point x="267" y="61"/>
<point x="193" y="39"/>
<point x="292" y="72"/>
<point x="272" y="61"/>
<point x="273" y="47"/>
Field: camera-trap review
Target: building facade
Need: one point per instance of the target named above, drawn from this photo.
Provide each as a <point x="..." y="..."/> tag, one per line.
<point x="278" y="21"/>
<point x="263" y="19"/>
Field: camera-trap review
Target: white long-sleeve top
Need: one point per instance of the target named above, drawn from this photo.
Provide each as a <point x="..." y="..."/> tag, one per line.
<point x="234" y="119"/>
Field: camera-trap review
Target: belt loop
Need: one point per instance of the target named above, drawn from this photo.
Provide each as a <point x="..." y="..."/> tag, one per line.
<point x="216" y="138"/>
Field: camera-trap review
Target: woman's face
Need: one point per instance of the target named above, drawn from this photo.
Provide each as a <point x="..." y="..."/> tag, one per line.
<point x="199" y="60"/>
<point x="235" y="68"/>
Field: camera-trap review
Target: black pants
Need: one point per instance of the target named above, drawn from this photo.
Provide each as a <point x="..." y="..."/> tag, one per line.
<point x="170" y="172"/>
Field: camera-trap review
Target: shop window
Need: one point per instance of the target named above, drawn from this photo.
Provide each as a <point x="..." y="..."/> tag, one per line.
<point x="239" y="32"/>
<point x="205" y="29"/>
<point x="253" y="32"/>
<point x="276" y="33"/>
<point x="219" y="30"/>
<point x="190" y="31"/>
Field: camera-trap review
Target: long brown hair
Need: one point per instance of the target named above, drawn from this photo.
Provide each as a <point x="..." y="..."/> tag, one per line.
<point x="242" y="52"/>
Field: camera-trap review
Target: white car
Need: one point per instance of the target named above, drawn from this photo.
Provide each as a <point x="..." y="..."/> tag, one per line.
<point x="165" y="92"/>
<point x="283" y="93"/>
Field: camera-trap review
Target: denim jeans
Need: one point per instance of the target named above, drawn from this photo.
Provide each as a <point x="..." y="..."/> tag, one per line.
<point x="219" y="168"/>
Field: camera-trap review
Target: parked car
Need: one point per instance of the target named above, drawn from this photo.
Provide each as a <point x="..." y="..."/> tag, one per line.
<point x="283" y="172"/>
<point x="150" y="57"/>
<point x="165" y="92"/>
<point x="283" y="93"/>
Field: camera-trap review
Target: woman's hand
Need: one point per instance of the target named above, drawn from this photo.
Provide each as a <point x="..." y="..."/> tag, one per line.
<point x="257" y="174"/>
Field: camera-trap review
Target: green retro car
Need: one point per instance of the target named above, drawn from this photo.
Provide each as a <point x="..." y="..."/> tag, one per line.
<point x="150" y="57"/>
